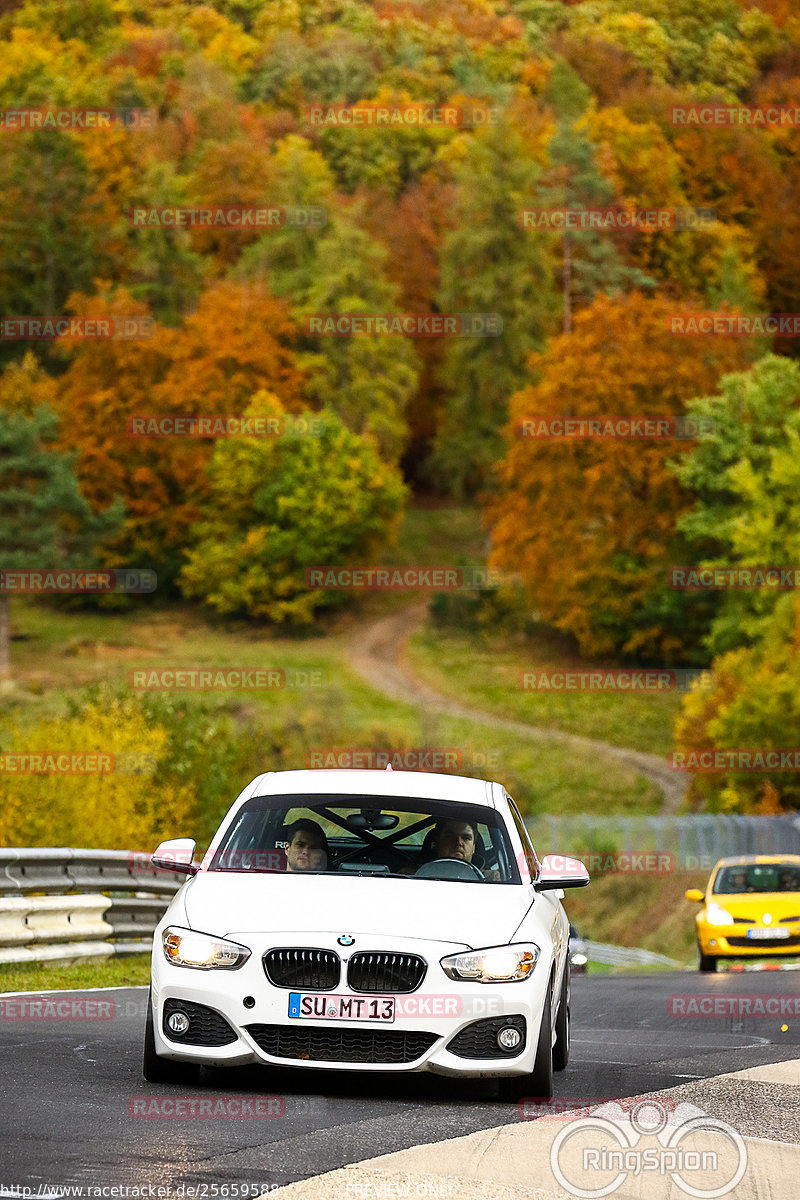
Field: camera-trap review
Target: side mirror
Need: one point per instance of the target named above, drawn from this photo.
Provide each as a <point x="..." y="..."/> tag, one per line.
<point x="558" y="871"/>
<point x="176" y="855"/>
<point x="695" y="894"/>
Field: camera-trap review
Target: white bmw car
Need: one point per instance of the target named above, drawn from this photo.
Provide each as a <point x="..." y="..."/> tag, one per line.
<point x="365" y="921"/>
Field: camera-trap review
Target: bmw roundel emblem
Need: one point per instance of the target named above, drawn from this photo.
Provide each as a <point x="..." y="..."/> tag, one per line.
<point x="346" y="939"/>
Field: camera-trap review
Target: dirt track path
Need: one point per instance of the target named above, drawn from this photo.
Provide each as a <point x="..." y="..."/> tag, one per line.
<point x="377" y="654"/>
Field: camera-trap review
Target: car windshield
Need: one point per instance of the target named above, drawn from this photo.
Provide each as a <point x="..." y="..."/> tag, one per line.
<point x="764" y="877"/>
<point x="369" y="836"/>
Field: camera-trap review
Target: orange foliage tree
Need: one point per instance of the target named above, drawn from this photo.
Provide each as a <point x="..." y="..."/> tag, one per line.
<point x="238" y="342"/>
<point x="590" y="524"/>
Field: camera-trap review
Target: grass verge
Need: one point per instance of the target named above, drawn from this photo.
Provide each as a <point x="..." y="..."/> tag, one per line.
<point x="484" y="669"/>
<point x="121" y="971"/>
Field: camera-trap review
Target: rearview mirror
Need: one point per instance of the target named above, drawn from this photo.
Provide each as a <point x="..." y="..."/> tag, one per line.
<point x="695" y="894"/>
<point x="558" y="871"/>
<point x="176" y="855"/>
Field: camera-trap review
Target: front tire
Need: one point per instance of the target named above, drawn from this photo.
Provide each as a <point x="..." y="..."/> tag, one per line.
<point x="539" y="1084"/>
<point x="561" y="1047"/>
<point x="707" y="964"/>
<point x="156" y="1069"/>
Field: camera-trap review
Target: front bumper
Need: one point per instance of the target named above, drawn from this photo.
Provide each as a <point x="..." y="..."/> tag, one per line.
<point x="427" y="1020"/>
<point x="731" y="941"/>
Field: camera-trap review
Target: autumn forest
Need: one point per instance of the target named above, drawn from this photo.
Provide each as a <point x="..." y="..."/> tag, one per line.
<point x="579" y="212"/>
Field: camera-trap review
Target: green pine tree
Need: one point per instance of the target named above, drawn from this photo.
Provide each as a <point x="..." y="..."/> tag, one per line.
<point x="590" y="261"/>
<point x="490" y="264"/>
<point x="45" y="522"/>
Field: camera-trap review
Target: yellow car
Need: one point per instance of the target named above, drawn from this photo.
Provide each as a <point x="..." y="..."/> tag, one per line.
<point x="751" y="909"/>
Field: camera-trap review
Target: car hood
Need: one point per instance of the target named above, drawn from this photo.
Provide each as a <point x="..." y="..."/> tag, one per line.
<point x="434" y="910"/>
<point x="779" y="905"/>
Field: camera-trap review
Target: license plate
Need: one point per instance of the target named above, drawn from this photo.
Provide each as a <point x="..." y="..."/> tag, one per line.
<point x="341" y="1008"/>
<point x="762" y="934"/>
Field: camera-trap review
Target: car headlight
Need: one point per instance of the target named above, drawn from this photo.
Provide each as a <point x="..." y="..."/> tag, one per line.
<point x="716" y="915"/>
<point x="579" y="959"/>
<point x="185" y="948"/>
<point x="498" y="964"/>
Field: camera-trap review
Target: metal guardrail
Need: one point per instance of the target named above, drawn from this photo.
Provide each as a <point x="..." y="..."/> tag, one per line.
<point x="120" y="898"/>
<point x="627" y="956"/>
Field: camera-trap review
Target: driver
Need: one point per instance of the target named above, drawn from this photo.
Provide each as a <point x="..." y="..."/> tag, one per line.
<point x="306" y="846"/>
<point x="454" y="839"/>
<point x="457" y="839"/>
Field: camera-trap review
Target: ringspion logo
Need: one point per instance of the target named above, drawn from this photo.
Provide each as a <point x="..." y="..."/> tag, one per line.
<point x="595" y="1155"/>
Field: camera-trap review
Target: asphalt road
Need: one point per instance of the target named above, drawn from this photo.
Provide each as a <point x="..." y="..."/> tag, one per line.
<point x="66" y="1087"/>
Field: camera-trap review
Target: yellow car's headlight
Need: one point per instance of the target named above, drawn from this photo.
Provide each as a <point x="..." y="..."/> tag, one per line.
<point x="186" y="948"/>
<point x="716" y="915"/>
<point x="498" y="964"/>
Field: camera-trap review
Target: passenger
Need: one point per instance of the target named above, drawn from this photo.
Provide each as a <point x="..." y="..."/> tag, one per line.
<point x="787" y="880"/>
<point x="306" y="846"/>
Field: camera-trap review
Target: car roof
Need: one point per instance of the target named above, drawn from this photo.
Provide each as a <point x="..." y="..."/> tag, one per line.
<point x="428" y="785"/>
<point x="749" y="860"/>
